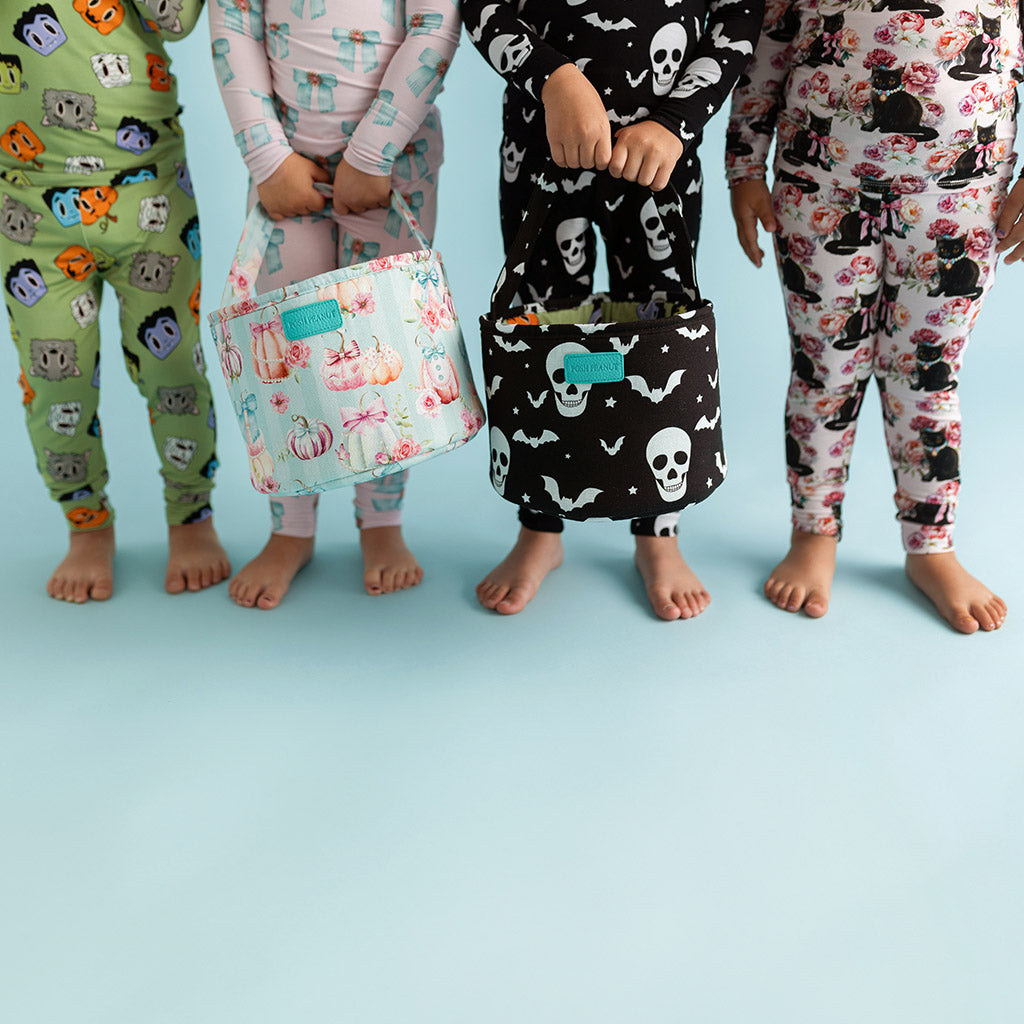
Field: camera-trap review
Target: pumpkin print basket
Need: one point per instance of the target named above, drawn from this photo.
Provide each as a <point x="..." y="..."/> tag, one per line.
<point x="346" y="376"/>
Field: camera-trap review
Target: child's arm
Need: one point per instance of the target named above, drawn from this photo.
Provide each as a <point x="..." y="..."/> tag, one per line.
<point x="284" y="180"/>
<point x="410" y="85"/>
<point x="577" y="125"/>
<point x="1010" y="226"/>
<point x="172" y="23"/>
<point x="755" y="109"/>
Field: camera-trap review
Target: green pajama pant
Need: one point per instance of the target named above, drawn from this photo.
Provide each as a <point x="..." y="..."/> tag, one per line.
<point x="57" y="247"/>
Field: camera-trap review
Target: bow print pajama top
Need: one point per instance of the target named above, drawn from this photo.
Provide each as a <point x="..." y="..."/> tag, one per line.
<point x="894" y="125"/>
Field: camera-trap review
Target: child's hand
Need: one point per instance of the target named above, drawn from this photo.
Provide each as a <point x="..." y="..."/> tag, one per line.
<point x="645" y="152"/>
<point x="752" y="202"/>
<point x="578" y="130"/>
<point x="289" y="191"/>
<point x="1010" y="226"/>
<point x="356" y="191"/>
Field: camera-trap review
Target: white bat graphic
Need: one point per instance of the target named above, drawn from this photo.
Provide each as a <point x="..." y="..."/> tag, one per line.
<point x="624" y="272"/>
<point x="657" y="394"/>
<point x="485" y="16"/>
<point x="672" y="274"/>
<point x="624" y="347"/>
<point x="719" y="38"/>
<point x="582" y="182"/>
<point x="713" y="381"/>
<point x="634" y="82"/>
<point x="515" y="346"/>
<point x="686" y="332"/>
<point x="612" y="207"/>
<point x="721" y="463"/>
<point x="537" y="402"/>
<point x="608" y="26"/>
<point x="586" y="496"/>
<point x="614" y="448"/>
<point x="537" y="297"/>
<point x="616" y="118"/>
<point x="546" y="437"/>
<point x="492" y="388"/>
<point x="529" y="117"/>
<point x="705" y="424"/>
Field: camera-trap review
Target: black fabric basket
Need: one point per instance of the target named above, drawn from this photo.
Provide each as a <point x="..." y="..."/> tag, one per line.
<point x="635" y="431"/>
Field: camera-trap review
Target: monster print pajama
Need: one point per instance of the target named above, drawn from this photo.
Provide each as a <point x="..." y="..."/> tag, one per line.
<point x="669" y="61"/>
<point x="895" y="125"/>
<point x="296" y="80"/>
<point x="94" y="187"/>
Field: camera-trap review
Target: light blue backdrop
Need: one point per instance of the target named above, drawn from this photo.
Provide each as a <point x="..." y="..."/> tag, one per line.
<point x="408" y="809"/>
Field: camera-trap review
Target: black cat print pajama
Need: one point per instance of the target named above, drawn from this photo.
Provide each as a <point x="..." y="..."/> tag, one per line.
<point x="670" y="61"/>
<point x="894" y="124"/>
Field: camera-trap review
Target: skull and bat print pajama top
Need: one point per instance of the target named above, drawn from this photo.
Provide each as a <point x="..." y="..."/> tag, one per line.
<point x="669" y="61"/>
<point x="327" y="79"/>
<point x="94" y="187"/>
<point x="895" y="125"/>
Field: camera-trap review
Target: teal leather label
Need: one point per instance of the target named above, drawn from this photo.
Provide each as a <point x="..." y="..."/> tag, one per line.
<point x="593" y="367"/>
<point x="316" y="318"/>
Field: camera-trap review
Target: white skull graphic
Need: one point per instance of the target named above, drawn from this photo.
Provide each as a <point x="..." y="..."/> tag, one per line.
<point x="85" y="309"/>
<point x="658" y="247"/>
<point x="511" y="160"/>
<point x="667" y="49"/>
<point x="501" y="455"/>
<point x="701" y="73"/>
<point x="153" y="212"/>
<point x="570" y="399"/>
<point x="571" y="236"/>
<point x="111" y="69"/>
<point x="668" y="455"/>
<point x="508" y="52"/>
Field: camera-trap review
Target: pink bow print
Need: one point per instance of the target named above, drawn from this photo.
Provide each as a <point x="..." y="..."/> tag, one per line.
<point x="360" y="420"/>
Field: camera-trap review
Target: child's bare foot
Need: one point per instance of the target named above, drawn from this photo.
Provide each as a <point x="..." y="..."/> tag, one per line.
<point x="672" y="586"/>
<point x="803" y="579"/>
<point x="195" y="558"/>
<point x="87" y="570"/>
<point x="964" y="602"/>
<point x="511" y="585"/>
<point x="387" y="563"/>
<point x="264" y="581"/>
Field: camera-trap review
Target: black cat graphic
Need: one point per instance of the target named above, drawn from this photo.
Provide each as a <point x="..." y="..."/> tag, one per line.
<point x="792" y="273"/>
<point x="981" y="54"/>
<point x="925" y="513"/>
<point x="810" y="144"/>
<point x="805" y="185"/>
<point x="887" y="308"/>
<point x="958" y="274"/>
<point x="861" y="324"/>
<point x="894" y="110"/>
<point x="794" y="456"/>
<point x="932" y="374"/>
<point x="892" y="216"/>
<point x="804" y="367"/>
<point x="735" y="145"/>
<point x="826" y="48"/>
<point x="973" y="162"/>
<point x="942" y="462"/>
<point x="846" y="415"/>
<point x="859" y="228"/>
<point x="925" y="10"/>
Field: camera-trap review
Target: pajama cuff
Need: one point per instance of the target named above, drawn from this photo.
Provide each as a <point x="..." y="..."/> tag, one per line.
<point x="734" y="176"/>
<point x="537" y="69"/>
<point x="264" y="161"/>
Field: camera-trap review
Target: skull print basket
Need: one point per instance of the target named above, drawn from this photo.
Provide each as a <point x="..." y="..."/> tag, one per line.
<point x="603" y="407"/>
<point x="346" y="376"/>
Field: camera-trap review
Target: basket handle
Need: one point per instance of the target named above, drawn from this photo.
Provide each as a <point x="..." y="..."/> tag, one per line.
<point x="537" y="210"/>
<point x="252" y="246"/>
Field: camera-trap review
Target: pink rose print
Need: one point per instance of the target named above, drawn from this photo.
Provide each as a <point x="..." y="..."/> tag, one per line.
<point x="926" y="266"/>
<point x="952" y="42"/>
<point x="908" y="184"/>
<point x="832" y="323"/>
<point x="297" y="354"/>
<point x="404" y="448"/>
<point x="920" y="78"/>
<point x="363" y="304"/>
<point x="924" y="336"/>
<point x="825" y="219"/>
<point x="279" y="401"/>
<point x="381" y="263"/>
<point x="845" y="277"/>
<point x="428" y="404"/>
<point x="953" y="434"/>
<point x="867" y="170"/>
<point x="858" y="96"/>
<point x="863" y="265"/>
<point x="979" y="243"/>
<point x="801" y="248"/>
<point x="880" y="59"/>
<point x="801" y="427"/>
<point x="943" y="227"/>
<point x="381" y="458"/>
<point x="885" y="34"/>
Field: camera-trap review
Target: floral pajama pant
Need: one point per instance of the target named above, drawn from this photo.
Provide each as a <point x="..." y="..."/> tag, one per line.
<point x="304" y="247"/>
<point x="885" y="285"/>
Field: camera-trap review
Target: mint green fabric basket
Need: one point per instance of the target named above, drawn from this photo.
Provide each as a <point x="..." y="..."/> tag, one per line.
<point x="347" y="376"/>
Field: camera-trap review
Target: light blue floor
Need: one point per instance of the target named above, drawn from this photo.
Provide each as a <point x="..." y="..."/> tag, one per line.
<point x="406" y="809"/>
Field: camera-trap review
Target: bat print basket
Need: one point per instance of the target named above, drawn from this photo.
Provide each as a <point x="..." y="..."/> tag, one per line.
<point x="346" y="376"/>
<point x="600" y="407"/>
